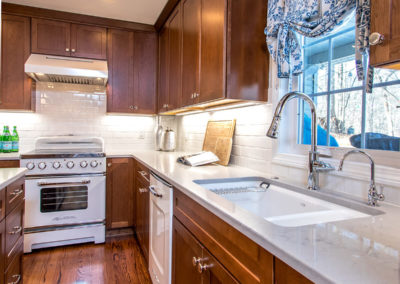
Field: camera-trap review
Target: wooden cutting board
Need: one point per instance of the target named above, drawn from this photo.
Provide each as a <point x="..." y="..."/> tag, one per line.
<point x="218" y="139"/>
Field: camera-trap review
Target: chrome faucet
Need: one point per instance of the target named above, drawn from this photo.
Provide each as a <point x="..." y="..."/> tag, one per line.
<point x="373" y="195"/>
<point x="315" y="165"/>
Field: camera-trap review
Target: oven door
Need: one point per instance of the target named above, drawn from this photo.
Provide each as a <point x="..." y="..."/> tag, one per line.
<point x="56" y="201"/>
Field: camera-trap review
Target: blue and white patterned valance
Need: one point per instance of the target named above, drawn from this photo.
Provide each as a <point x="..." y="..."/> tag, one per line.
<point x="310" y="18"/>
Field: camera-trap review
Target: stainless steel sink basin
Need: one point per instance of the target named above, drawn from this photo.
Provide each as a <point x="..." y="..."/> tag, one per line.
<point x="285" y="205"/>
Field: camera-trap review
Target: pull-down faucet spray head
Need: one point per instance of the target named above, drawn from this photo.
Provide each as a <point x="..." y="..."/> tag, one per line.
<point x="273" y="130"/>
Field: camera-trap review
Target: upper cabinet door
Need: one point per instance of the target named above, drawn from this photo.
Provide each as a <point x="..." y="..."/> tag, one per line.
<point x="120" y="71"/>
<point x="88" y="41"/>
<point x="385" y="20"/>
<point x="51" y="37"/>
<point x="145" y="72"/>
<point x="191" y="21"/>
<point x="163" y="70"/>
<point x="212" y="66"/>
<point x="16" y="85"/>
<point x="175" y="52"/>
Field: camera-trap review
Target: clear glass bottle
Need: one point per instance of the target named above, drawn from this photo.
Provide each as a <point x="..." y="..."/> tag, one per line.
<point x="7" y="142"/>
<point x="15" y="140"/>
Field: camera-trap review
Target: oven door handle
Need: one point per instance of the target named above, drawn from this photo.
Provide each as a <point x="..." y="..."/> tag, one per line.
<point x="154" y="192"/>
<point x="62" y="183"/>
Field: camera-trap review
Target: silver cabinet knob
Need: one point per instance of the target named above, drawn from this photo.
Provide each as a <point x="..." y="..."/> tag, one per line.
<point x="70" y="165"/>
<point x="84" y="164"/>
<point x="30" y="166"/>
<point x="73" y="50"/>
<point x="376" y="39"/>
<point x="94" y="164"/>
<point x="135" y="107"/>
<point x="67" y="49"/>
<point x="56" y="165"/>
<point x="42" y="165"/>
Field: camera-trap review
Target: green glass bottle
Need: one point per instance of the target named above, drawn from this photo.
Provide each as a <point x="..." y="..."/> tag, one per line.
<point x="1" y="143"/>
<point x="7" y="143"/>
<point x="15" y="140"/>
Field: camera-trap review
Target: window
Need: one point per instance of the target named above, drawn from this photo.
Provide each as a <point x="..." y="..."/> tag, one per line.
<point x="346" y="114"/>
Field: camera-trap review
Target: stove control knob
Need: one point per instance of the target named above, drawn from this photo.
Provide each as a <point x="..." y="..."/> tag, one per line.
<point x="30" y="166"/>
<point x="93" y="164"/>
<point x="70" y="165"/>
<point x="56" y="165"/>
<point x="42" y="165"/>
<point x="84" y="164"/>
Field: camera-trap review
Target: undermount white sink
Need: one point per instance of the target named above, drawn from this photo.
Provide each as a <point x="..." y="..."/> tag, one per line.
<point x="279" y="205"/>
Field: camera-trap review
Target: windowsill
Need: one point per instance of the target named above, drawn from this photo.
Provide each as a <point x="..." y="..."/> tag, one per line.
<point x="384" y="175"/>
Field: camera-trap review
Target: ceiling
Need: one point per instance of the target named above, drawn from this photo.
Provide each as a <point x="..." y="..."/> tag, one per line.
<point x="140" y="11"/>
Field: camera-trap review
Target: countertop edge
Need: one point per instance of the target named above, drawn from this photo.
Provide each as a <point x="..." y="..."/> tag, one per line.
<point x="18" y="175"/>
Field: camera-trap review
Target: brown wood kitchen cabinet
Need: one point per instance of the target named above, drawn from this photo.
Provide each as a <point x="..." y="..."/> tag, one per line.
<point x="170" y="86"/>
<point x="225" y="255"/>
<point x="16" y="87"/>
<point x="223" y="53"/>
<point x="66" y="39"/>
<point x="12" y="207"/>
<point x="132" y="71"/>
<point x="9" y="164"/>
<point x="142" y="183"/>
<point x="385" y="20"/>
<point x="120" y="204"/>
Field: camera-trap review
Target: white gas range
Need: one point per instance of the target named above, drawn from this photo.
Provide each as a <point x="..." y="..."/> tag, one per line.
<point x="65" y="192"/>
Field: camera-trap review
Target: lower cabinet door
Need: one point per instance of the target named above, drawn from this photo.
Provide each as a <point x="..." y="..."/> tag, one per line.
<point x="142" y="216"/>
<point x="14" y="270"/>
<point x="186" y="254"/>
<point x="192" y="263"/>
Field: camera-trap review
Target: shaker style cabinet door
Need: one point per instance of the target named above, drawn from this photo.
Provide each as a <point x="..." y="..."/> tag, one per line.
<point x="120" y="71"/>
<point x="163" y="43"/>
<point x="16" y="86"/>
<point x="143" y="216"/>
<point x="191" y="21"/>
<point x="51" y="37"/>
<point x="88" y="41"/>
<point x="120" y="193"/>
<point x="385" y="22"/>
<point x="145" y="72"/>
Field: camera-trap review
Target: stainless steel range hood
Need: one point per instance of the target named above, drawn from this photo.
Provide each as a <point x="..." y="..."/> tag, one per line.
<point x="57" y="69"/>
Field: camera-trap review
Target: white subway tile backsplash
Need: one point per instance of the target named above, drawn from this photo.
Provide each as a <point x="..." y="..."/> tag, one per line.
<point x="80" y="110"/>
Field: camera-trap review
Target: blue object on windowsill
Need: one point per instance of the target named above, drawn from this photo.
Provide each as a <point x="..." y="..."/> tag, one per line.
<point x="376" y="141"/>
<point x="321" y="134"/>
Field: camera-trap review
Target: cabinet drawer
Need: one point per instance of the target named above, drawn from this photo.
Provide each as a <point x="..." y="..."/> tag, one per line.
<point x="14" y="271"/>
<point x="14" y="252"/>
<point x="247" y="261"/>
<point x="15" y="194"/>
<point x="14" y="226"/>
<point x="143" y="173"/>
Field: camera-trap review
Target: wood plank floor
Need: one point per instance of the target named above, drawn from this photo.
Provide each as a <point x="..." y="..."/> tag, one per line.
<point x="119" y="260"/>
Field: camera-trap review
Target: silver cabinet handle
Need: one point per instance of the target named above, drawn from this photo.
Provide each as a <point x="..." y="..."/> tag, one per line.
<point x="62" y="183"/>
<point x="154" y="192"/>
<point x="17" y="230"/>
<point x="203" y="267"/>
<point x="17" y="277"/>
<point x="73" y="50"/>
<point x="195" y="261"/>
<point x="16" y="192"/>
<point x="109" y="165"/>
<point x="142" y="190"/>
<point x="67" y="49"/>
<point x="376" y="39"/>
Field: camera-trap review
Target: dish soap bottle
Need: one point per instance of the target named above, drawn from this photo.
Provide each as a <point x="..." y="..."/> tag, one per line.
<point x="7" y="143"/>
<point x="15" y="140"/>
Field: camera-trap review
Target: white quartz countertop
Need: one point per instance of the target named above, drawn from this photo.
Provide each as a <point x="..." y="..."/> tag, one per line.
<point x="9" y="156"/>
<point x="364" y="250"/>
<point x="9" y="175"/>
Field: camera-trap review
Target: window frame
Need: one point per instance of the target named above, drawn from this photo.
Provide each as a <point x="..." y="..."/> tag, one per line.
<point x="329" y="91"/>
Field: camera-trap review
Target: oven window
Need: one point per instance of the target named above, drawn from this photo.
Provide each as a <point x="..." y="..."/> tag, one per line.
<point x="54" y="199"/>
